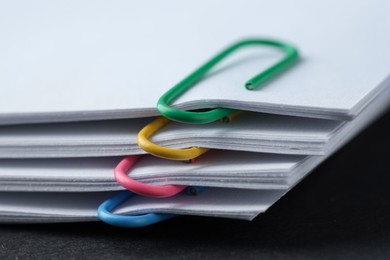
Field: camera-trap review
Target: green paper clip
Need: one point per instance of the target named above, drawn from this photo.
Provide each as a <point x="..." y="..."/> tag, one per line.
<point x="163" y="104"/>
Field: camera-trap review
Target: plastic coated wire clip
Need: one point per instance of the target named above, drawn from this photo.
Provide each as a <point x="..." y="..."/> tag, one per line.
<point x="190" y="153"/>
<point x="163" y="104"/>
<point x="165" y="152"/>
<point x="140" y="188"/>
<point x="105" y="214"/>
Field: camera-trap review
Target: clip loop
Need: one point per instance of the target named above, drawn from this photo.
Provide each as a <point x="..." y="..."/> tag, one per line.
<point x="140" y="188"/>
<point x="165" y="152"/>
<point x="163" y="104"/>
<point x="184" y="154"/>
<point x="104" y="213"/>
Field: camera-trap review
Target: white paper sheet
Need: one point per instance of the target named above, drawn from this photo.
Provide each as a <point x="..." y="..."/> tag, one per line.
<point x="215" y="168"/>
<point x="249" y="132"/>
<point x="85" y="60"/>
<point x="24" y="207"/>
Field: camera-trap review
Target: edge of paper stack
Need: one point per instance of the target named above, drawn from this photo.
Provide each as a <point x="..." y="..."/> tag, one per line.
<point x="59" y="167"/>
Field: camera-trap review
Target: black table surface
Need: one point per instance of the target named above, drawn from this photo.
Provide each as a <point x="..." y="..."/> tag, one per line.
<point x="341" y="210"/>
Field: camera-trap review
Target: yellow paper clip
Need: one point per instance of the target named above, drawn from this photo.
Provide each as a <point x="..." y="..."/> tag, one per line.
<point x="143" y="140"/>
<point x="165" y="152"/>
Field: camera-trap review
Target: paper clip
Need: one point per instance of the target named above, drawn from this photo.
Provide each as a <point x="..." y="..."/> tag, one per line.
<point x="105" y="214"/>
<point x="165" y="152"/>
<point x="163" y="104"/>
<point x="140" y="188"/>
<point x="184" y="154"/>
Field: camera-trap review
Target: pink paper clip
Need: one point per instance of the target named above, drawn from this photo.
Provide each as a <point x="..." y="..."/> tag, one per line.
<point x="140" y="188"/>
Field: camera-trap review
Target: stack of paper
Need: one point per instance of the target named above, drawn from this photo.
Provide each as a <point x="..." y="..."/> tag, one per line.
<point x="79" y="80"/>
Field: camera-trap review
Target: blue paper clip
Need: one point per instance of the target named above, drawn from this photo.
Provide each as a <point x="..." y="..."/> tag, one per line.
<point x="105" y="215"/>
<point x="105" y="211"/>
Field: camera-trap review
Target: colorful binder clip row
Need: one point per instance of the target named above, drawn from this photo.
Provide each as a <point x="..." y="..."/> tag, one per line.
<point x="223" y="114"/>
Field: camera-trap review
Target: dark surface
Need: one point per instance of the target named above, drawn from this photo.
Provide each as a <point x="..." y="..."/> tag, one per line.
<point x="341" y="210"/>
